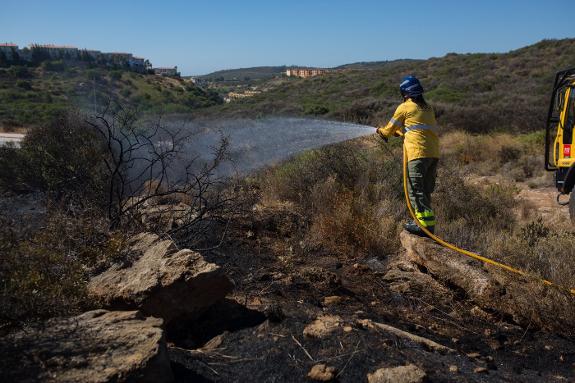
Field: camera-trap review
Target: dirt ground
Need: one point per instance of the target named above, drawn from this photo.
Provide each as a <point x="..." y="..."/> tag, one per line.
<point x="257" y="335"/>
<point x="536" y="201"/>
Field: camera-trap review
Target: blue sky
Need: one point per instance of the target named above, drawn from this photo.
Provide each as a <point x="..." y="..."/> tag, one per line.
<point x="203" y="36"/>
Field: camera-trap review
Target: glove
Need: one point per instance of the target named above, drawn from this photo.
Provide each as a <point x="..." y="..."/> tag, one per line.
<point x="381" y="134"/>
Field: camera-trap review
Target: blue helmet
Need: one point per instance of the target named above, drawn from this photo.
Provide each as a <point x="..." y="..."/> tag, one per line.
<point x="410" y="87"/>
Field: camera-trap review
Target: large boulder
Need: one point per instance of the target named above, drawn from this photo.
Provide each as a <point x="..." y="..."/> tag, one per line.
<point x="526" y="299"/>
<point x="97" y="346"/>
<point x="162" y="281"/>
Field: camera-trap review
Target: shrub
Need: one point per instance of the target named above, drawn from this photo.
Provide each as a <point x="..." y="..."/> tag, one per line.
<point x="116" y="75"/>
<point x="20" y="71"/>
<point x="316" y="110"/>
<point x="64" y="158"/>
<point x="347" y="223"/>
<point x="353" y="204"/>
<point x="538" y="249"/>
<point x="53" y="66"/>
<point x="45" y="270"/>
<point x="24" y="84"/>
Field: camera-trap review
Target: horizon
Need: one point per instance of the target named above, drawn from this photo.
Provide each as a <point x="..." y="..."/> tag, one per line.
<point x="258" y="34"/>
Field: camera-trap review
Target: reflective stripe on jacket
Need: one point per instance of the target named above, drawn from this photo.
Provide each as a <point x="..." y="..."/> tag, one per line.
<point x="420" y="130"/>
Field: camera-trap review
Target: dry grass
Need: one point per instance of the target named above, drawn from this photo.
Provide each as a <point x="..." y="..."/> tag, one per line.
<point x="345" y="192"/>
<point x="516" y="157"/>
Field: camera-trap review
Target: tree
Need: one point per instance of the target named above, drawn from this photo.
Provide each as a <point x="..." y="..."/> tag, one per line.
<point x="15" y="56"/>
<point x="146" y="166"/>
<point x="3" y="60"/>
<point x="39" y="55"/>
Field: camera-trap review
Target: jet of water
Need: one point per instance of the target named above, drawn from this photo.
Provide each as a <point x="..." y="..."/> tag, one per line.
<point x="254" y="144"/>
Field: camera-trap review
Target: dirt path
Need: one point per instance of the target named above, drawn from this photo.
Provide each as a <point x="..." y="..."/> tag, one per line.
<point x="544" y="202"/>
<point x="539" y="201"/>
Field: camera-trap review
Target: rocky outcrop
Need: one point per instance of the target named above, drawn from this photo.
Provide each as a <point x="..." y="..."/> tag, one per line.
<point x="526" y="300"/>
<point x="162" y="281"/>
<point x="97" y="346"/>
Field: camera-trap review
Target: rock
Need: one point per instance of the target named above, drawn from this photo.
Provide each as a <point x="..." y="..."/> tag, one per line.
<point x="162" y="281"/>
<point x="528" y="301"/>
<point x="166" y="216"/>
<point x="402" y="374"/>
<point x="323" y="326"/>
<point x="332" y="300"/>
<point x="97" y="346"/>
<point x="321" y="373"/>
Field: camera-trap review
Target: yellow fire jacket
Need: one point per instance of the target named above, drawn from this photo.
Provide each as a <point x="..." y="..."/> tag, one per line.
<point x="420" y="130"/>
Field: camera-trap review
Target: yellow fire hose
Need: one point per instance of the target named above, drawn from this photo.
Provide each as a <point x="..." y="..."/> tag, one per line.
<point x="459" y="250"/>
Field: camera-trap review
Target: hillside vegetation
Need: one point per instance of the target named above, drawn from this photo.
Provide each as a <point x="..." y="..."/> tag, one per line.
<point x="473" y="92"/>
<point x="243" y="75"/>
<point x="34" y="95"/>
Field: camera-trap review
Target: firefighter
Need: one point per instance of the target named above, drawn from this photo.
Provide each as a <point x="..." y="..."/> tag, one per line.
<point x="416" y="119"/>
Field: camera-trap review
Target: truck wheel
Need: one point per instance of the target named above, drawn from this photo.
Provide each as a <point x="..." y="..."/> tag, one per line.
<point x="572" y="206"/>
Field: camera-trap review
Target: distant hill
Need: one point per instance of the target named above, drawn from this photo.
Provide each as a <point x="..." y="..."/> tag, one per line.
<point x="476" y="92"/>
<point x="33" y="95"/>
<point x="245" y="74"/>
<point x="375" y="64"/>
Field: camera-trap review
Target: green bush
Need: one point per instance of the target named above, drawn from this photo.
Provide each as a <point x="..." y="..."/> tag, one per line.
<point x="24" y="84"/>
<point x="53" y="66"/>
<point x="44" y="271"/>
<point x="316" y="110"/>
<point x="66" y="155"/>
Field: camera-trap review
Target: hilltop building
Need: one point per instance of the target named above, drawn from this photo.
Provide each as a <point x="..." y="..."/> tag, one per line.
<point x="168" y="72"/>
<point x="56" y="52"/>
<point x="306" y="72"/>
<point x="9" y="50"/>
<point x="138" y="64"/>
<point x="231" y="96"/>
<point x="42" y="52"/>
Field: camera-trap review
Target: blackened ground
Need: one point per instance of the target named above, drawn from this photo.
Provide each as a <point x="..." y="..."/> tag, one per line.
<point x="280" y="288"/>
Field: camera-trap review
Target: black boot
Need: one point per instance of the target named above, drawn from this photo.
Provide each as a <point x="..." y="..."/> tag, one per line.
<point x="412" y="228"/>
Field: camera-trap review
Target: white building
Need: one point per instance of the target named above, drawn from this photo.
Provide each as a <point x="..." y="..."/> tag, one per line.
<point x="137" y="64"/>
<point x="172" y="72"/>
<point x="57" y="52"/>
